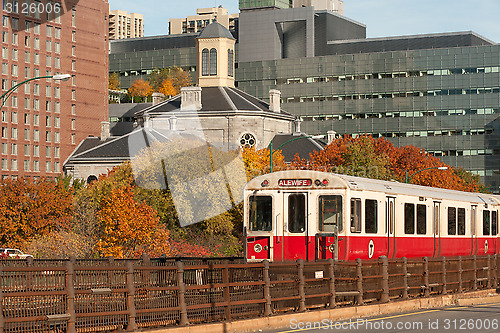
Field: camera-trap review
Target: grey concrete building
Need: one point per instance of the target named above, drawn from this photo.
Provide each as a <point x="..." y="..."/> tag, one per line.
<point x="440" y="92"/>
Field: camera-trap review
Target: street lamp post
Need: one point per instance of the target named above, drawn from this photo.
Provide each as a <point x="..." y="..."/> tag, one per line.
<point x="294" y="139"/>
<point x="6" y="95"/>
<point x="408" y="178"/>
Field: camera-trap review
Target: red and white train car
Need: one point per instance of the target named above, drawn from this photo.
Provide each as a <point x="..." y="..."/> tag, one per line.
<point x="316" y="215"/>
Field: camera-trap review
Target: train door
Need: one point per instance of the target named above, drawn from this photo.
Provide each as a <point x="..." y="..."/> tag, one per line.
<point x="390" y="219"/>
<point x="437" y="229"/>
<point x="473" y="223"/>
<point x="329" y="219"/>
<point x="295" y="229"/>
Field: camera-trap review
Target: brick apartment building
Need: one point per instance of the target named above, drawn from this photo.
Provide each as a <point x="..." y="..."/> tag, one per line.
<point x="43" y="120"/>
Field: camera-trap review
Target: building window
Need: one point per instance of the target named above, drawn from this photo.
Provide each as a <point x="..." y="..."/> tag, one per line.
<point x="205" y="62"/>
<point x="230" y="62"/>
<point x="247" y="140"/>
<point x="213" y="62"/>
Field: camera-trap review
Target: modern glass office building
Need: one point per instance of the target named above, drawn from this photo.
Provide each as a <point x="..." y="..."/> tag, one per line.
<point x="440" y="92"/>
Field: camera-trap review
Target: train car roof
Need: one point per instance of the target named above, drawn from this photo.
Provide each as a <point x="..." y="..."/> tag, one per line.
<point x="368" y="184"/>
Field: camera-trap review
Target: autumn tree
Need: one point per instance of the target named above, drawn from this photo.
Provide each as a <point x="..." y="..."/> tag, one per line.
<point x="140" y="88"/>
<point x="126" y="224"/>
<point x="114" y="81"/>
<point x="31" y="208"/>
<point x="167" y="88"/>
<point x="377" y="158"/>
<point x="175" y="78"/>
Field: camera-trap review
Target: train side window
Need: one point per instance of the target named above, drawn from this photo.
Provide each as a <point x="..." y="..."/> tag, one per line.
<point x="452" y="221"/>
<point x="370" y="216"/>
<point x="494" y="223"/>
<point x="486" y="223"/>
<point x="261" y="213"/>
<point x="330" y="212"/>
<point x="409" y="218"/>
<point x="296" y="213"/>
<point x="421" y="219"/>
<point x="461" y="221"/>
<point x="355" y="215"/>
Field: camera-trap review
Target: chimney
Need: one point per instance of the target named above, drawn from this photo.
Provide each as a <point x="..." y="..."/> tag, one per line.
<point x="191" y="98"/>
<point x="158" y="98"/>
<point x="297" y="125"/>
<point x="173" y="123"/>
<point x="105" y="133"/>
<point x="331" y="136"/>
<point x="275" y="100"/>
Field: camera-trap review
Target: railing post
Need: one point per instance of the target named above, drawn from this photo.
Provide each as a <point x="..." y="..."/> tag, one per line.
<point x="267" y="290"/>
<point x="474" y="265"/>
<point x="331" y="275"/>
<point x="302" y="283"/>
<point x="29" y="274"/>
<point x="385" y="279"/>
<point x="489" y="272"/>
<point x="181" y="294"/>
<point x="132" y="325"/>
<point x="2" y="319"/>
<point x="111" y="262"/>
<point x="405" y="278"/>
<point x="443" y="269"/>
<point x="359" y="275"/>
<point x="70" y="294"/>
<point x="427" y="291"/>
<point x="460" y="273"/>
<point x="227" y="295"/>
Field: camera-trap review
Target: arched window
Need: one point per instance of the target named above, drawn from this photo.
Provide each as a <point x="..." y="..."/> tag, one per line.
<point x="213" y="62"/>
<point x="205" y="63"/>
<point x="230" y="62"/>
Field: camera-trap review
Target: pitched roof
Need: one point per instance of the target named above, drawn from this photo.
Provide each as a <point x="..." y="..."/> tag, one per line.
<point x="303" y="147"/>
<point x="215" y="30"/>
<point x="218" y="99"/>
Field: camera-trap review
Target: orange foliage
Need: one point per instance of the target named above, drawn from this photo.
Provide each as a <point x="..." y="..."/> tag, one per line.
<point x="30" y="208"/>
<point x="167" y="88"/>
<point x="378" y="158"/>
<point x="257" y="162"/>
<point x="126" y="223"/>
<point x="140" y="88"/>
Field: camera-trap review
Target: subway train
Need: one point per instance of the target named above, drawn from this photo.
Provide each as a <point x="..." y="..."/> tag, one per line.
<point x="312" y="215"/>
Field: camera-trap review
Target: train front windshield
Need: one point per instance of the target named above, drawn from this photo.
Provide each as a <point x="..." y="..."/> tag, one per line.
<point x="261" y="213"/>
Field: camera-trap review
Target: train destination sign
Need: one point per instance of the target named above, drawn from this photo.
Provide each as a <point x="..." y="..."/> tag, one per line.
<point x="294" y="182"/>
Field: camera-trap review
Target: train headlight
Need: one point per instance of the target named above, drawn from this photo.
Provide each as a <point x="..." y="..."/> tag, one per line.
<point x="325" y="182"/>
<point x="317" y="182"/>
<point x="257" y="248"/>
<point x="265" y="183"/>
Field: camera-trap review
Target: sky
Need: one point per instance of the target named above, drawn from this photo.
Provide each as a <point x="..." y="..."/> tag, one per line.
<point x="382" y="17"/>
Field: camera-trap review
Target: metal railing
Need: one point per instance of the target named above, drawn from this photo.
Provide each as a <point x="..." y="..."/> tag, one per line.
<point x="103" y="295"/>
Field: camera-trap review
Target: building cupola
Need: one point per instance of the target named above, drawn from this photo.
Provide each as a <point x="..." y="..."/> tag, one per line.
<point x="215" y="57"/>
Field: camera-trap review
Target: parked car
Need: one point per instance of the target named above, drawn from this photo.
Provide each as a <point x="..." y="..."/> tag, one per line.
<point x="13" y="253"/>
